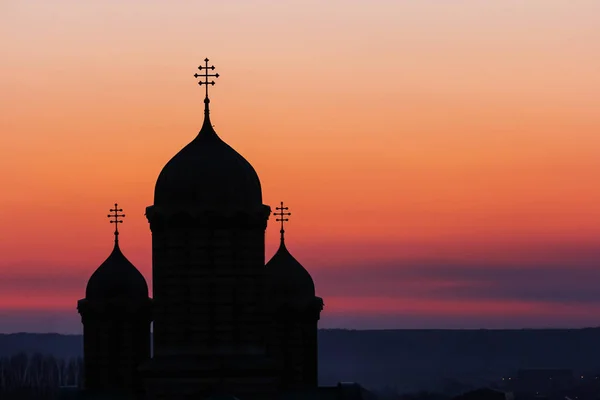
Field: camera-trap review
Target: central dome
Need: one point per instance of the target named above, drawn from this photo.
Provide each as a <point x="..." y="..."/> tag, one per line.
<point x="209" y="174"/>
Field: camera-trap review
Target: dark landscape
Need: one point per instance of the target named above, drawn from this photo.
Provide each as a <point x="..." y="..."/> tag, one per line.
<point x="449" y="361"/>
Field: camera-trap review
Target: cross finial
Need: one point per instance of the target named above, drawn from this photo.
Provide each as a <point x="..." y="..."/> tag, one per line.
<point x="282" y="214"/>
<point x="205" y="76"/>
<point x="115" y="219"/>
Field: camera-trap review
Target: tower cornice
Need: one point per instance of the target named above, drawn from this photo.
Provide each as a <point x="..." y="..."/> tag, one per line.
<point x="114" y="306"/>
<point x="190" y="218"/>
<point x="299" y="309"/>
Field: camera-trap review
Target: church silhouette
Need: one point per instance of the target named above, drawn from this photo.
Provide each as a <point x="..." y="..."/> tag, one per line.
<point x="225" y="323"/>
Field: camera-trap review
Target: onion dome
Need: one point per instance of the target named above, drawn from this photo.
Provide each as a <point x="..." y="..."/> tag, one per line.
<point x="116" y="277"/>
<point x="288" y="279"/>
<point x="208" y="173"/>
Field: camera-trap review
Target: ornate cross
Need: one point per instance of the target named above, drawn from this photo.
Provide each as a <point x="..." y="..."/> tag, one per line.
<point x="282" y="214"/>
<point x="115" y="215"/>
<point x="206" y="75"/>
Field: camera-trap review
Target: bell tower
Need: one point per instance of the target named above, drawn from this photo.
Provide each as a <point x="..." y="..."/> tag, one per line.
<point x="116" y="317"/>
<point x="296" y="311"/>
<point x="208" y="243"/>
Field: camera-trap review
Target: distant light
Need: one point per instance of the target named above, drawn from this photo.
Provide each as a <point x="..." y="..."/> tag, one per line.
<point x="581" y="378"/>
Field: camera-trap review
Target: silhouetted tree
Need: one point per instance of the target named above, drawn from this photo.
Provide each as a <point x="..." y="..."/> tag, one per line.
<point x="37" y="376"/>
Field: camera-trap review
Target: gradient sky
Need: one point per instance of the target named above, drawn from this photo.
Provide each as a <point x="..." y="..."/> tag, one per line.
<point x="441" y="158"/>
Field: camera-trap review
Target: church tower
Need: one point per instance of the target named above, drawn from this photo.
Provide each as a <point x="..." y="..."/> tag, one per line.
<point x="116" y="317"/>
<point x="208" y="226"/>
<point x="296" y="313"/>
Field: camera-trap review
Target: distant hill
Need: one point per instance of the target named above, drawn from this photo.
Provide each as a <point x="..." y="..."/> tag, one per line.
<point x="407" y="359"/>
<point x="422" y="358"/>
<point x="63" y="346"/>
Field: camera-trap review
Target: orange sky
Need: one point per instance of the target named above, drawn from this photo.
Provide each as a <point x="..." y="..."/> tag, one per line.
<point x="463" y="135"/>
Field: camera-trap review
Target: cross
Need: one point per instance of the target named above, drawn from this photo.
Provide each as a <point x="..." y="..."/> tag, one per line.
<point x="206" y="75"/>
<point x="115" y="214"/>
<point x="281" y="214"/>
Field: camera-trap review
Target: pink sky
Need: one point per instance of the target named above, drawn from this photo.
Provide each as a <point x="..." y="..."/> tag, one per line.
<point x="440" y="158"/>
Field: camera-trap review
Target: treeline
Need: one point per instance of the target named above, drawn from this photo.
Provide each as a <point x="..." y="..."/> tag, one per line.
<point x="37" y="376"/>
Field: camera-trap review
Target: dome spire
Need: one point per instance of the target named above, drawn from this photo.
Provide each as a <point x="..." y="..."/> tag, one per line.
<point x="206" y="82"/>
<point x="115" y="220"/>
<point x="116" y="277"/>
<point x="281" y="215"/>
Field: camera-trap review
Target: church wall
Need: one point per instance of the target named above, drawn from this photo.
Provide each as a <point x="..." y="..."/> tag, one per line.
<point x="294" y="345"/>
<point x="208" y="285"/>
<point x="115" y="345"/>
<point x="311" y="354"/>
<point x="193" y="388"/>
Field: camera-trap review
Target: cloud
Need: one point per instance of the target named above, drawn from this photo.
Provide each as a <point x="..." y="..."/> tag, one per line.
<point x="42" y="280"/>
<point x="577" y="283"/>
<point x="41" y="321"/>
<point x="569" y="284"/>
<point x="393" y="293"/>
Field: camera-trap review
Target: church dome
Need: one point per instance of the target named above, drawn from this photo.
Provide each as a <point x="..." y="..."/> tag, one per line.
<point x="209" y="174"/>
<point x="116" y="277"/>
<point x="289" y="281"/>
<point x="288" y="278"/>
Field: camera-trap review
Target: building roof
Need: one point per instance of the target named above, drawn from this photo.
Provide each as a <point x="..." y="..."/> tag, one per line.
<point x="482" y="394"/>
<point x="223" y="397"/>
<point x="76" y="393"/>
<point x="342" y="391"/>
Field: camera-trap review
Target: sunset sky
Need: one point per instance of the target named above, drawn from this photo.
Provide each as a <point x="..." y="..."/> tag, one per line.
<point x="441" y="158"/>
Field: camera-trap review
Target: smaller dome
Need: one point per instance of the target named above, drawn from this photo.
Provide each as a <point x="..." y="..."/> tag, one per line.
<point x="116" y="277"/>
<point x="289" y="280"/>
